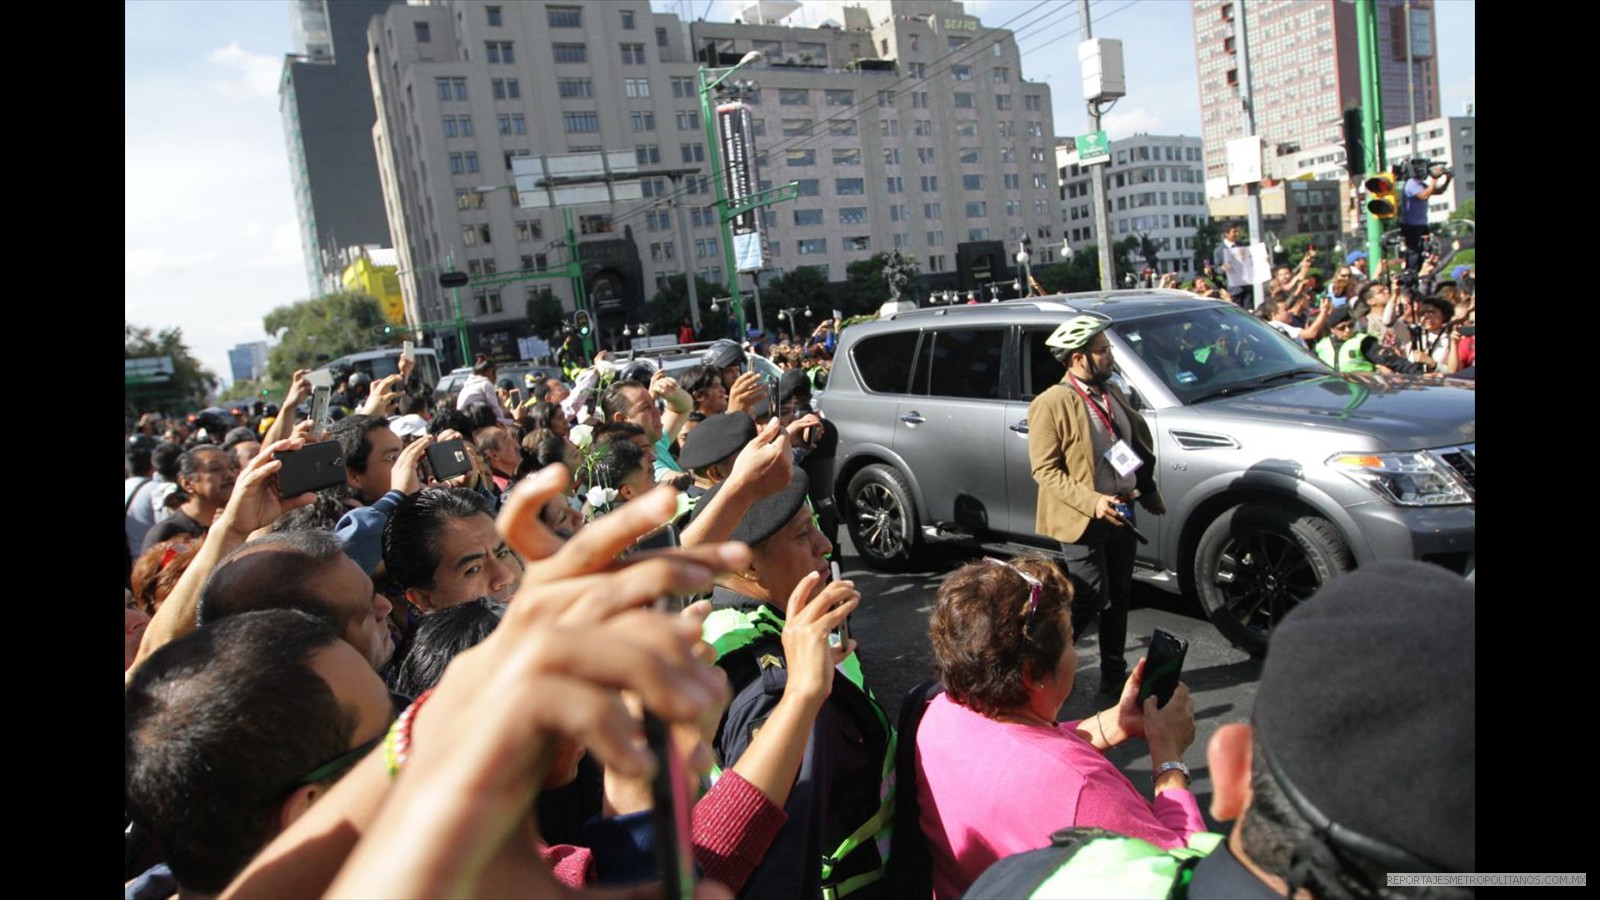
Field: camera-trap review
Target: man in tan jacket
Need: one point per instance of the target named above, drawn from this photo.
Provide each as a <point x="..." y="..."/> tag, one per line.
<point x="1091" y="453"/>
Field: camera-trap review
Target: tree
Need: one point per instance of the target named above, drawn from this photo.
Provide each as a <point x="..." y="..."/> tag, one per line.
<point x="1125" y="256"/>
<point x="1207" y="237"/>
<point x="326" y="328"/>
<point x="671" y="304"/>
<point x="1294" y="249"/>
<point x="545" y="315"/>
<point x="1467" y="210"/>
<point x="185" y="390"/>
<point x="1150" y="252"/>
<point x="1080" y="273"/>
<point x="803" y="287"/>
<point x="866" y="285"/>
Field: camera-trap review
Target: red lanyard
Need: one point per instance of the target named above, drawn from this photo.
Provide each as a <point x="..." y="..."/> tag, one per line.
<point x="1104" y="414"/>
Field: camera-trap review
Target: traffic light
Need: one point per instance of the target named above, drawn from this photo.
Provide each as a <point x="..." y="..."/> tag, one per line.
<point x="581" y="320"/>
<point x="1381" y="200"/>
<point x="1355" y="154"/>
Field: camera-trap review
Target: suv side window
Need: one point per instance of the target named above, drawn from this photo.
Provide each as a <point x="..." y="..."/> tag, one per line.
<point x="1039" y="368"/>
<point x="961" y="363"/>
<point x="884" y="362"/>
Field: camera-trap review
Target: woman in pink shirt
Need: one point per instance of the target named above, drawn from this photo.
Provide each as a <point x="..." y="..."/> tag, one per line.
<point x="996" y="772"/>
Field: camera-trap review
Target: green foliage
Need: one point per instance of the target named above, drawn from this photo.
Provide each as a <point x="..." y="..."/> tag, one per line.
<point x="545" y="315"/>
<point x="190" y="384"/>
<point x="1148" y="250"/>
<point x="251" y="390"/>
<point x="1294" y="248"/>
<point x="803" y="287"/>
<point x="1207" y="237"/>
<point x="671" y="304"/>
<point x="866" y="286"/>
<point x="1465" y="257"/>
<point x="326" y="328"/>
<point x="1081" y="273"/>
<point x="1467" y="210"/>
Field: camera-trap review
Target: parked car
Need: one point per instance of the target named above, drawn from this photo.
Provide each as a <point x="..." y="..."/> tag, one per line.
<point x="1278" y="473"/>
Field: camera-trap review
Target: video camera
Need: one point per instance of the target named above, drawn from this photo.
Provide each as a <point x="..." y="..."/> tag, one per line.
<point x="1421" y="168"/>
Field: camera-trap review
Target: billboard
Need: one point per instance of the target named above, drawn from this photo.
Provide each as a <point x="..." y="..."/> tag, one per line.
<point x="736" y="140"/>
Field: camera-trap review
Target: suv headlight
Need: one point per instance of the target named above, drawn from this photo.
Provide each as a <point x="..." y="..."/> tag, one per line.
<point x="1406" y="479"/>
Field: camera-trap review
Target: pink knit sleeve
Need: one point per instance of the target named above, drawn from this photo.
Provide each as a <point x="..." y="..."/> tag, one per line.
<point x="734" y="824"/>
<point x="572" y="866"/>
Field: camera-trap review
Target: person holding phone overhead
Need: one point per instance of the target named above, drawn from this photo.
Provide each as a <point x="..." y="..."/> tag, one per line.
<point x="1002" y="645"/>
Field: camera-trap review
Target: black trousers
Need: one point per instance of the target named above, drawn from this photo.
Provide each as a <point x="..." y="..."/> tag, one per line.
<point x="1101" y="566"/>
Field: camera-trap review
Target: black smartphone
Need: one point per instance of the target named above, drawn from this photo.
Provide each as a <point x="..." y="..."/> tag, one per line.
<point x="313" y="467"/>
<point x="772" y="395"/>
<point x="663" y="538"/>
<point x="1163" y="666"/>
<point x="448" y="459"/>
<point x="669" y="795"/>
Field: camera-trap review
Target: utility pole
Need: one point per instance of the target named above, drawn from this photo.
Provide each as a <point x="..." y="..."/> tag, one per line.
<point x="1252" y="190"/>
<point x="1371" y="111"/>
<point x="683" y="250"/>
<point x="1097" y="178"/>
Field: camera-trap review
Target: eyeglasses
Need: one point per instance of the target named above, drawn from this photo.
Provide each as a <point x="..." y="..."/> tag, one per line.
<point x="344" y="762"/>
<point x="1035" y="588"/>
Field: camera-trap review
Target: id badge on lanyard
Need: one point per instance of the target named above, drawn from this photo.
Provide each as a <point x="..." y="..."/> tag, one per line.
<point x="1121" y="456"/>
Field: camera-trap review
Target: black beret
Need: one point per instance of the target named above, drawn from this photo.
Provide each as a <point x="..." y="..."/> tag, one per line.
<point x="764" y="517"/>
<point x="718" y="437"/>
<point x="793" y="382"/>
<point x="1367" y="705"/>
<point x="1339" y="314"/>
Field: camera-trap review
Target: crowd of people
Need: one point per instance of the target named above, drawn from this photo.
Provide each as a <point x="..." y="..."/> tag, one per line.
<point x="421" y="685"/>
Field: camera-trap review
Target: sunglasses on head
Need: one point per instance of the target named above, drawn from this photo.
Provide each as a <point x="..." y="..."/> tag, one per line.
<point x="1035" y="588"/>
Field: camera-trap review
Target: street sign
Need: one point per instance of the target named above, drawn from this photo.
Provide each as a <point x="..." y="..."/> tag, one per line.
<point x="1244" y="160"/>
<point x="737" y="137"/>
<point x="1093" y="149"/>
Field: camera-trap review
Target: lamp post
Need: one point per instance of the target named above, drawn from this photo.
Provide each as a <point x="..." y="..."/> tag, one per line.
<point x="709" y="79"/>
<point x="788" y="312"/>
<point x="1023" y="260"/>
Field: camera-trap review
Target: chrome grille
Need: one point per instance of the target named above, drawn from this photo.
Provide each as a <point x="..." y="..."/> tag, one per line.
<point x="1463" y="460"/>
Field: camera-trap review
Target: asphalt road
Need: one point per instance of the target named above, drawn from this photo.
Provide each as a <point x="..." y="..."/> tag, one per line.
<point x="891" y="627"/>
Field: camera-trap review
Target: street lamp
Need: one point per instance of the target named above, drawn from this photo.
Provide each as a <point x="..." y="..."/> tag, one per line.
<point x="1066" y="251"/>
<point x="1023" y="259"/>
<point x="706" y="87"/>
<point x="788" y="312"/>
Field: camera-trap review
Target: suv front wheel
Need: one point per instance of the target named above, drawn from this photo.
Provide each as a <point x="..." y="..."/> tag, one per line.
<point x="1256" y="562"/>
<point x="882" y="518"/>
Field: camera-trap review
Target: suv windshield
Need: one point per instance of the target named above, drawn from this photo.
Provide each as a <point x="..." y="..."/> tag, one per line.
<point x="1203" y="353"/>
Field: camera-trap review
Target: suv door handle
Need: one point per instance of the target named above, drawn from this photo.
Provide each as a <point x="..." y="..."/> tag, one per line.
<point x="913" y="418"/>
<point x="1021" y="427"/>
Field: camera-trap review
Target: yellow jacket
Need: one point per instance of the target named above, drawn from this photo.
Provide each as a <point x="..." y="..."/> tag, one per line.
<point x="1060" y="452"/>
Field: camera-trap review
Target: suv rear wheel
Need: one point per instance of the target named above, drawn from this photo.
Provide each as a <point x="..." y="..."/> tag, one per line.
<point x="882" y="518"/>
<point x="1256" y="562"/>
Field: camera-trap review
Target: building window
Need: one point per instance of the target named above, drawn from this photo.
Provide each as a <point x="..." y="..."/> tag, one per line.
<point x="977" y="209"/>
<point x="896" y="185"/>
<point x="810" y="246"/>
<point x="1013" y="181"/>
<point x="977" y="234"/>
<point x="632" y="54"/>
<point x="636" y="87"/>
<point x="796" y="127"/>
<point x="891" y="156"/>
<point x="683" y="88"/>
<point x="581" y="122"/>
<point x="688" y="120"/>
<point x="693" y="153"/>
<point x="850" y="157"/>
<point x="800" y="157"/>
<point x="956" y="43"/>
<point x="570" y="53"/>
<point x="971" y="155"/>
<point x="919" y="99"/>
<point x="450" y="130"/>
<point x="494" y="16"/>
<point x="964" y="100"/>
<point x="961" y="73"/>
<point x="842" y="127"/>
<point x="809" y="187"/>
<point x="849" y="187"/>
<point x="803" y="217"/>
<point x="530" y="230"/>
<point x="423" y="35"/>
<point x="458" y="165"/>
<point x="899" y="213"/>
<point x="499" y="51"/>
<point x="471" y="162"/>
<point x="972" y="182"/>
<point x="627" y="20"/>
<point x="564" y="16"/>
<point x="451" y="88"/>
<point x="932" y="210"/>
<point x="519" y="125"/>
<point x="642" y="121"/>
<point x="1002" y="75"/>
<point x="839" y="97"/>
<point x="861" y="242"/>
<point x="599" y="223"/>
<point x="930" y="184"/>
<point x="647" y="153"/>
<point x="505" y="88"/>
<point x="574" y="87"/>
<point x="925" y="155"/>
<point x="1002" y="101"/>
<point x="1030" y="102"/>
<point x="706" y="248"/>
<point x="793" y="97"/>
<point x="852" y="215"/>
<point x="935" y="239"/>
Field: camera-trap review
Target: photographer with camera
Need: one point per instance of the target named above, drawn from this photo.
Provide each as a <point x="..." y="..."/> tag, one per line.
<point x="1426" y="179"/>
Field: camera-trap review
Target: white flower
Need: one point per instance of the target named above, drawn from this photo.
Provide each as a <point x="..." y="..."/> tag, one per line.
<point x="581" y="436"/>
<point x="601" y="496"/>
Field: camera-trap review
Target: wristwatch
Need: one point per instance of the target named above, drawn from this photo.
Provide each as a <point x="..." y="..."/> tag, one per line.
<point x="1166" y="767"/>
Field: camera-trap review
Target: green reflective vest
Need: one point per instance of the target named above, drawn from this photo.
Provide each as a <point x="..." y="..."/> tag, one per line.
<point x="1347" y="357"/>
<point x="1092" y="862"/>
<point x="729" y="630"/>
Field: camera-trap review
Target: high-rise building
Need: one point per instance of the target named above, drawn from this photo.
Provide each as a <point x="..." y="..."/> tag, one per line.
<point x="1449" y="139"/>
<point x="1155" y="188"/>
<point x="248" y="361"/>
<point x="1304" y="72"/>
<point x="325" y="99"/>
<point x="908" y="126"/>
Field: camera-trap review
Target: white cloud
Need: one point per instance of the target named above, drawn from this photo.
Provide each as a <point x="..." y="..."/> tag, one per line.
<point x="1121" y="123"/>
<point x="249" y="74"/>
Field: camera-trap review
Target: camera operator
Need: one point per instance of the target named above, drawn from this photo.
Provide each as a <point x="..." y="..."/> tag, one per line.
<point x="1429" y="341"/>
<point x="1425" y="180"/>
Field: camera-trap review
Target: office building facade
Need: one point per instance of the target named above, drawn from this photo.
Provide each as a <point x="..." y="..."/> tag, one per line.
<point x="907" y="126"/>
<point x="325" y="100"/>
<point x="1155" y="187"/>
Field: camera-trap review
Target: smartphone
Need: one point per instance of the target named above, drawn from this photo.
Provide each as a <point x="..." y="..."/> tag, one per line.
<point x="669" y="795"/>
<point x="405" y="349"/>
<point x="319" y="407"/>
<point x="772" y="395"/>
<point x="1163" y="666"/>
<point x="449" y="459"/>
<point x="313" y="467"/>
<point x="844" y="627"/>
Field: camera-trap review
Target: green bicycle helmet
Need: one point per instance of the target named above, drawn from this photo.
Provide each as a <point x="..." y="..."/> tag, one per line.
<point x="1075" y="332"/>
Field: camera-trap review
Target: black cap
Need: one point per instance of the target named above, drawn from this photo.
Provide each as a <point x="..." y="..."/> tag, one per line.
<point x="507" y="384"/>
<point x="717" y="438"/>
<point x="1339" y="314"/>
<point x="793" y="382"/>
<point x="764" y="517"/>
<point x="1367" y="706"/>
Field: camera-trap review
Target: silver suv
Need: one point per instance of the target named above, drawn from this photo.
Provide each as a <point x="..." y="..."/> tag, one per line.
<point x="1278" y="474"/>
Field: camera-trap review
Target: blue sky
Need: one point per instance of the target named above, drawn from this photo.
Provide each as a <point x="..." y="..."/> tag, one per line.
<point x="210" y="239"/>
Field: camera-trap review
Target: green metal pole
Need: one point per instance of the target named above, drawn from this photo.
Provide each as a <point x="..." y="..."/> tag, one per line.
<point x="706" y="114"/>
<point x="460" y="322"/>
<point x="1371" y="112"/>
<point x="580" y="299"/>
